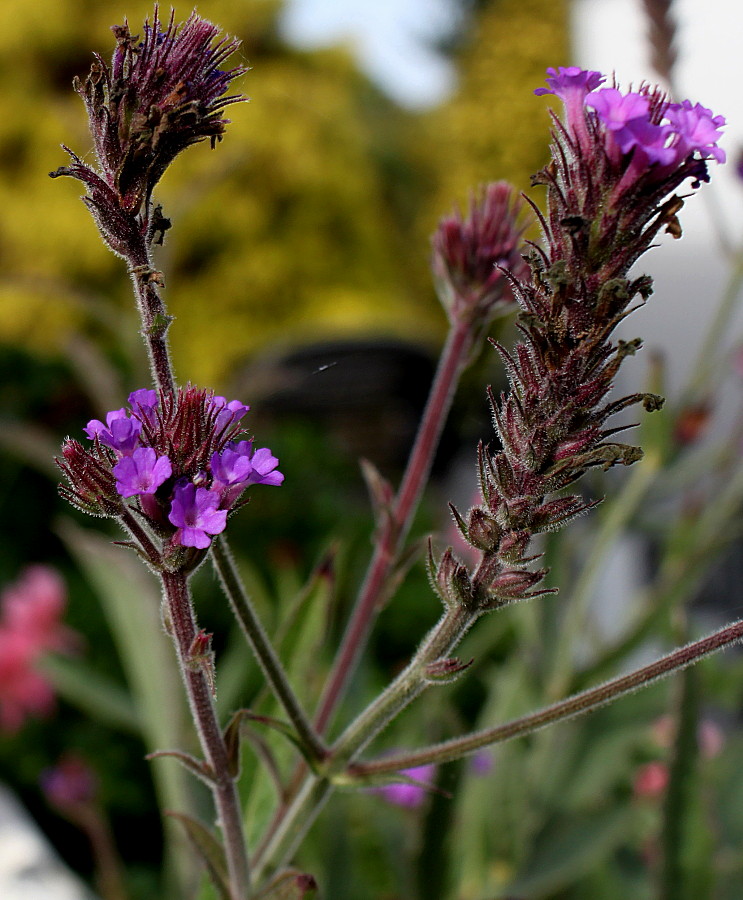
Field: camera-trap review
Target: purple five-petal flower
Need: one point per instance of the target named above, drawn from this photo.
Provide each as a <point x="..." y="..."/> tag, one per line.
<point x="264" y="468"/>
<point x="143" y="403"/>
<point x="141" y="473"/>
<point x="120" y="432"/>
<point x="229" y="413"/>
<point x="697" y="129"/>
<point x="194" y="513"/>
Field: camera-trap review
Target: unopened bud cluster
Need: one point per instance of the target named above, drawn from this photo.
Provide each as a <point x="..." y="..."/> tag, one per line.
<point x="159" y="95"/>
<point x="181" y="463"/>
<point x="473" y="253"/>
<point x="616" y="161"/>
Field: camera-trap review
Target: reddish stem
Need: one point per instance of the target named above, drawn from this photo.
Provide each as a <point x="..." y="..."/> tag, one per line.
<point x="210" y="734"/>
<point x="397" y="524"/>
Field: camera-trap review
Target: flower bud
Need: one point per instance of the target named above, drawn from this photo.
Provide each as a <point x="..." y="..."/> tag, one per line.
<point x="470" y="255"/>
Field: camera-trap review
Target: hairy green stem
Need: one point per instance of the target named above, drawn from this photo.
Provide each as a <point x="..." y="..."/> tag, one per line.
<point x="264" y="652"/>
<point x="408" y="685"/>
<point x="155" y="320"/>
<point x="577" y="704"/>
<point x="298" y="813"/>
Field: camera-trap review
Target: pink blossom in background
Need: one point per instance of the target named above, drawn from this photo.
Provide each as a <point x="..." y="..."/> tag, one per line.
<point x="30" y="625"/>
<point x="710" y="737"/>
<point x="651" y="780"/>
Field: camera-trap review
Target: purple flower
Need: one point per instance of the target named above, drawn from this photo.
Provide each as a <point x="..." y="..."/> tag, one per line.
<point x="194" y="513"/>
<point x="406" y="794"/>
<point x="481" y="763"/>
<point x="233" y="465"/>
<point x="229" y="413"/>
<point x="616" y="109"/>
<point x="571" y="84"/>
<point x="697" y="129"/>
<point x="627" y="117"/>
<point x="141" y="473"/>
<point x="567" y="82"/>
<point x="264" y="468"/>
<point x="238" y="466"/>
<point x="646" y="138"/>
<point x="144" y="403"/>
<point x="120" y="432"/>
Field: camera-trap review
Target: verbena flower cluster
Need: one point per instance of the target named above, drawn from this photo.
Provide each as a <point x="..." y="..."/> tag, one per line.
<point x="182" y="462"/>
<point x="30" y="625"/>
<point x="617" y="158"/>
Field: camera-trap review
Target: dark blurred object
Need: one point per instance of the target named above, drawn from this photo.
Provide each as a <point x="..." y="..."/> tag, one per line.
<point x="367" y="394"/>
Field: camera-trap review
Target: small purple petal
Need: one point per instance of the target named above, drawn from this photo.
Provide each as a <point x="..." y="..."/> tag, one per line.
<point x="120" y="432"/>
<point x="566" y="81"/>
<point x="144" y="402"/>
<point x="230" y="468"/>
<point x="697" y="129"/>
<point x="194" y="512"/>
<point x="264" y="468"/>
<point x="96" y="427"/>
<point x="616" y="109"/>
<point x="229" y="413"/>
<point x="141" y="473"/>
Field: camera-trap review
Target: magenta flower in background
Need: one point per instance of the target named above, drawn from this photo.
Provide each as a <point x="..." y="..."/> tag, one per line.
<point x="141" y="473"/>
<point x="70" y="783"/>
<point x="407" y="794"/>
<point x="194" y="512"/>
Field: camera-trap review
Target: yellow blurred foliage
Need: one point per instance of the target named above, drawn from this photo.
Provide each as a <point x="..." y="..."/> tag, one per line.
<point x="311" y="219"/>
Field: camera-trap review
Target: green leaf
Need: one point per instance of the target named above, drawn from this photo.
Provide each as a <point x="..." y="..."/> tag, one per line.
<point x="98" y="697"/>
<point x="209" y="849"/>
<point x="131" y="601"/>
<point x="570" y="848"/>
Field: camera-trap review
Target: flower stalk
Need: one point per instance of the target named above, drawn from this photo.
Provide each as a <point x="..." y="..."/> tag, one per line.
<point x="265" y="654"/>
<point x="470" y="257"/>
<point x="200" y="698"/>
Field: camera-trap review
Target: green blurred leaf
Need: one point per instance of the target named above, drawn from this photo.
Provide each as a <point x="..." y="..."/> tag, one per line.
<point x="130" y="598"/>
<point x="569" y="848"/>
<point x="210" y="850"/>
<point x="89" y="691"/>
